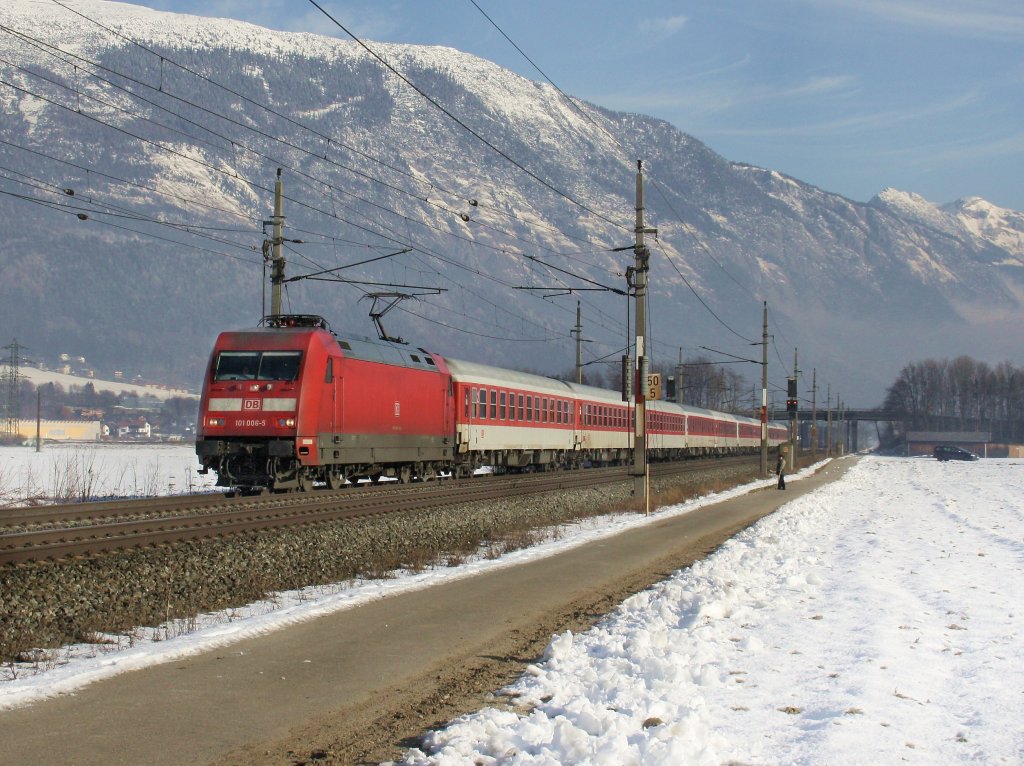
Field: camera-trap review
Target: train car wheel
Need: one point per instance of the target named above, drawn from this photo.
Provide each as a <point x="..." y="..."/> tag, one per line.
<point x="335" y="480"/>
<point x="404" y="474"/>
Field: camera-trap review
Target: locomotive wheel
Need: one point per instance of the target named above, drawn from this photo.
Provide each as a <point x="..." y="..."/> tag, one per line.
<point x="335" y="480"/>
<point x="404" y="474"/>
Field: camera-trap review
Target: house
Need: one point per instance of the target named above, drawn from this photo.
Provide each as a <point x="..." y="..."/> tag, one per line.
<point x="138" y="428"/>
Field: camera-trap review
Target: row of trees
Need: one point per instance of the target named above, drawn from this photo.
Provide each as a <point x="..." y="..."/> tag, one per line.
<point x="961" y="394"/>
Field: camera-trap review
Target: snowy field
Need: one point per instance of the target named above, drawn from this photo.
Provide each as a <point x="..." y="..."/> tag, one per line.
<point x="74" y="472"/>
<point x="877" y="620"/>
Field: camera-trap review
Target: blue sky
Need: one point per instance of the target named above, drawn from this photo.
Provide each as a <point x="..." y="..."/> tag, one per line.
<point x="850" y="95"/>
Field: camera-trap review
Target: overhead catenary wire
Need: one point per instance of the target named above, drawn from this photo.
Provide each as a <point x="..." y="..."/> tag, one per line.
<point x="123" y="212"/>
<point x="697" y="296"/>
<point x="373" y="230"/>
<point x="270" y="110"/>
<point x="567" y="98"/>
<point x="447" y="112"/>
<point x="657" y="186"/>
<point x="233" y="143"/>
<point x="135" y="184"/>
<point x="300" y="174"/>
<point x="78" y="212"/>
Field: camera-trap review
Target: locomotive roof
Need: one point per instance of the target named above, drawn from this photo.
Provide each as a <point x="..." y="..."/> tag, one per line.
<point x="371" y="350"/>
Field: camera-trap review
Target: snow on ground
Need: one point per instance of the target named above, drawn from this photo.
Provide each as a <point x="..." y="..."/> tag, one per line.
<point x="73" y="472"/>
<point x="62" y="671"/>
<point x="42" y="377"/>
<point x="875" y="620"/>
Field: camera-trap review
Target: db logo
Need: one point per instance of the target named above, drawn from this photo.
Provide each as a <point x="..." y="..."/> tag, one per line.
<point x="252" y="404"/>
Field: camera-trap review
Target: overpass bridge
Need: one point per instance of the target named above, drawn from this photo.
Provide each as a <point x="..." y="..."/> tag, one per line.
<point x="845" y="425"/>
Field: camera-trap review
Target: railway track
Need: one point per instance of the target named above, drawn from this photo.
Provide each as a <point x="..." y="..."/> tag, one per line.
<point x="93" y="528"/>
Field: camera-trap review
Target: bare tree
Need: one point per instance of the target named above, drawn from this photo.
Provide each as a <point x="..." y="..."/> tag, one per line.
<point x="962" y="394"/>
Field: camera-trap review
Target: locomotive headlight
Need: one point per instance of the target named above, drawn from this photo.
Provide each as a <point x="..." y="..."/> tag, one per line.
<point x="215" y="421"/>
<point x="286" y="422"/>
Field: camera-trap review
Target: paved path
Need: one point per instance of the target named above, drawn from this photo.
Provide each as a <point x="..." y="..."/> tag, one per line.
<point x="324" y="685"/>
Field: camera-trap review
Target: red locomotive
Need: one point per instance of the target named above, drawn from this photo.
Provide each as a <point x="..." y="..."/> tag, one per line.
<point x="290" y="404"/>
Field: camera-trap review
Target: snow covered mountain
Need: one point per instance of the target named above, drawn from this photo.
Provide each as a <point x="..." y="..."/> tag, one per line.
<point x="169" y="130"/>
<point x="973" y="215"/>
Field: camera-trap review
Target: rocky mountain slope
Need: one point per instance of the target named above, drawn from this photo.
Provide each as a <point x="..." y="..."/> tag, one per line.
<point x="169" y="129"/>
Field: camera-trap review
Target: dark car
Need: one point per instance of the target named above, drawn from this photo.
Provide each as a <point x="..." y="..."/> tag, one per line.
<point x="949" y="452"/>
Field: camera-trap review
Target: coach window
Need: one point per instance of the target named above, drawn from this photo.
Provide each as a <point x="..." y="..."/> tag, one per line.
<point x="536" y="408"/>
<point x="504" y="411"/>
<point x="520" y="406"/>
<point x="529" y="408"/>
<point x="544" y="409"/>
<point x="482" y="404"/>
<point x="494" y="404"/>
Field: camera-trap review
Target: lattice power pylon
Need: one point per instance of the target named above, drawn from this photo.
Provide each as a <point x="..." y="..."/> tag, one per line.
<point x="12" y="386"/>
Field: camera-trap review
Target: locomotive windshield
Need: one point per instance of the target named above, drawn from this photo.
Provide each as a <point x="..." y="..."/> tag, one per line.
<point x="257" y="365"/>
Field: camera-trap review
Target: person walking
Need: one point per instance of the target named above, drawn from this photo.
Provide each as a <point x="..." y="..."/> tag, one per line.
<point x="780" y="469"/>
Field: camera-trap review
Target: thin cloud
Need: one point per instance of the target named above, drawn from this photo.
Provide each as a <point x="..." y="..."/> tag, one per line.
<point x="971" y="150"/>
<point x="989" y="18"/>
<point x="857" y="122"/>
<point x="715" y="97"/>
<point x="819" y="86"/>
<point x="660" y="29"/>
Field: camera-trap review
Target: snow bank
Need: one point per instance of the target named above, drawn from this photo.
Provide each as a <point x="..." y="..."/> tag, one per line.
<point x="875" y="620"/>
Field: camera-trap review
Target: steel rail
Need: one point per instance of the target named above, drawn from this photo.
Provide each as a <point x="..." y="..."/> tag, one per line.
<point x="225" y="517"/>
